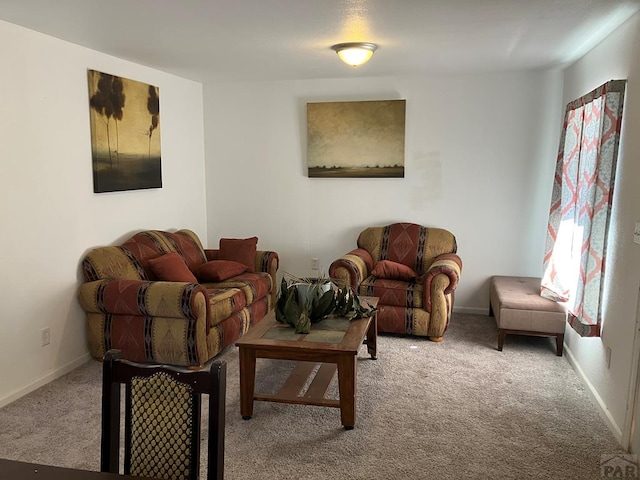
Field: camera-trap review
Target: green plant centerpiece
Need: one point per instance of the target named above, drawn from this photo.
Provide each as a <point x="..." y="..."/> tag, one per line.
<point x="305" y="301"/>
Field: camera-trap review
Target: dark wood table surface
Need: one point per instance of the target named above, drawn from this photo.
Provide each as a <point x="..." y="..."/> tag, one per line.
<point x="14" y="470"/>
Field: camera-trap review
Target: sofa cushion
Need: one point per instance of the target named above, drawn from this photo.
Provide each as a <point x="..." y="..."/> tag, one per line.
<point x="219" y="270"/>
<point x="393" y="292"/>
<point x="254" y="285"/>
<point x="170" y="267"/>
<point x="224" y="302"/>
<point x="407" y="243"/>
<point x="393" y="271"/>
<point x="147" y="245"/>
<point x="241" y="250"/>
<point x="104" y="263"/>
<point x="188" y="245"/>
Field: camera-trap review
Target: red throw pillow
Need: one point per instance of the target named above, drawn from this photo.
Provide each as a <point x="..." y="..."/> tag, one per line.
<point x="241" y="250"/>
<point x="393" y="271"/>
<point x="170" y="267"/>
<point x="219" y="270"/>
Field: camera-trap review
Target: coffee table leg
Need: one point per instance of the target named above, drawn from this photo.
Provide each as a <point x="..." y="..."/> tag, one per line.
<point x="347" y="386"/>
<point x="372" y="337"/>
<point x="247" y="381"/>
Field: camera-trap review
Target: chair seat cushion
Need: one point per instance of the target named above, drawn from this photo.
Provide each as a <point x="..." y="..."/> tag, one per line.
<point x="393" y="271"/>
<point x="393" y="292"/>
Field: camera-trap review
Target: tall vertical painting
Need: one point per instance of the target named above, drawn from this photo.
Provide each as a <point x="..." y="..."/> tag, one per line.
<point x="356" y="139"/>
<point x="125" y="133"/>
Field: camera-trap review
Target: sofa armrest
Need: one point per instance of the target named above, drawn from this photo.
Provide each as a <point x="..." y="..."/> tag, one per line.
<point x="449" y="265"/>
<point x="352" y="268"/>
<point x="267" y="261"/>
<point x="144" y="298"/>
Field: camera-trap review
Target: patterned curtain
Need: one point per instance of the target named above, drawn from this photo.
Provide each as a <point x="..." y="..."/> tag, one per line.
<point x="576" y="246"/>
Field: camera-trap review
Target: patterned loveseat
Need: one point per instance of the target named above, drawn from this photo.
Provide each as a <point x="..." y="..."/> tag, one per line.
<point x="175" y="322"/>
<point x="414" y="270"/>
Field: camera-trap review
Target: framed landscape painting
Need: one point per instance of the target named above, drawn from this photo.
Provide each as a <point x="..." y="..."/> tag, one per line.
<point x="125" y="133"/>
<point x="356" y="139"/>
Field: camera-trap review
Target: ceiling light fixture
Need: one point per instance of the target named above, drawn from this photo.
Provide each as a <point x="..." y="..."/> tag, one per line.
<point x="355" y="53"/>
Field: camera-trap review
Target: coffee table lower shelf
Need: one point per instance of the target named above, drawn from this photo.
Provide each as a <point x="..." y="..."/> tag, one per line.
<point x="292" y="389"/>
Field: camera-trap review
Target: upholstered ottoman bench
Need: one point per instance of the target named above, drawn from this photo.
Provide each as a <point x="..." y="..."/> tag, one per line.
<point x="520" y="310"/>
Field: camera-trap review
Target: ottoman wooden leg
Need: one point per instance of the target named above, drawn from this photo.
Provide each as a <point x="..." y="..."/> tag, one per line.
<point x="559" y="344"/>
<point x="501" y="336"/>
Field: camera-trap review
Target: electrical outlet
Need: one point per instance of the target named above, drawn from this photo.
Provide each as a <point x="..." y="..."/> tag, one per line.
<point x="45" y="336"/>
<point x="607" y="357"/>
<point x="315" y="264"/>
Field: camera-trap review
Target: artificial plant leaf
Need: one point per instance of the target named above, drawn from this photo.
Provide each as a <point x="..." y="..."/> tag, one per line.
<point x="322" y="306"/>
<point x="292" y="309"/>
<point x="283" y="302"/>
<point x="362" y="311"/>
<point x="282" y="296"/>
<point x="303" y="325"/>
<point x="342" y="304"/>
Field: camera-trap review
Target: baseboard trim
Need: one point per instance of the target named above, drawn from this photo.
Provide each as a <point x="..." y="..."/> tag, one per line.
<point x="603" y="410"/>
<point x="471" y="310"/>
<point x="49" y="377"/>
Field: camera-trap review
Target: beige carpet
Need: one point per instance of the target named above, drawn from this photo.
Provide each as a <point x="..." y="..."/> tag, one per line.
<point x="455" y="410"/>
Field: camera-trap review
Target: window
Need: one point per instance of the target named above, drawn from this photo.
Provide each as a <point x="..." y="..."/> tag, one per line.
<point x="576" y="247"/>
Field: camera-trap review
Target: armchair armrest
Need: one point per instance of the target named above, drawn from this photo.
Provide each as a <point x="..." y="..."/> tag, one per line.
<point x="443" y="274"/>
<point x="139" y="297"/>
<point x="352" y="268"/>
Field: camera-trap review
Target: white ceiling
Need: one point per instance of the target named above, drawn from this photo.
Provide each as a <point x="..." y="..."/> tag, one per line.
<point x="290" y="39"/>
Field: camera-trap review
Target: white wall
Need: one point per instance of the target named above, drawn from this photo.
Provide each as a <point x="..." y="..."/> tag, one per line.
<point x="50" y="216"/>
<point x="617" y="57"/>
<point x="479" y="161"/>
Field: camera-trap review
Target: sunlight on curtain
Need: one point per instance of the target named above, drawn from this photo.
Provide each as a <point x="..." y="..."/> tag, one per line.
<point x="580" y="211"/>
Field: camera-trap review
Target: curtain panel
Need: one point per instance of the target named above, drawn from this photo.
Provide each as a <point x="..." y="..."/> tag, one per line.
<point x="576" y="245"/>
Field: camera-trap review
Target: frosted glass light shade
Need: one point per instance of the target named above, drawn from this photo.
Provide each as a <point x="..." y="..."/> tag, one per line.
<point x="355" y="53"/>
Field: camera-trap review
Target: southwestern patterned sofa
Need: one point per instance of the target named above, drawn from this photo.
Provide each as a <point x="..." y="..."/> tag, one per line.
<point x="144" y="299"/>
<point x="414" y="270"/>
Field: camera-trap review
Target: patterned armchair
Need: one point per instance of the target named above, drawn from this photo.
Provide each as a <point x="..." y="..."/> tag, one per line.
<point x="414" y="270"/>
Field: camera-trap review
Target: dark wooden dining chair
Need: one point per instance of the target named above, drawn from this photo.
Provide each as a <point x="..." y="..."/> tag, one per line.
<point x="162" y="418"/>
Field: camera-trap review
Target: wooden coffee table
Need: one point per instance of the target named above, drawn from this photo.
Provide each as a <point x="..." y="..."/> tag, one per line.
<point x="333" y="342"/>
